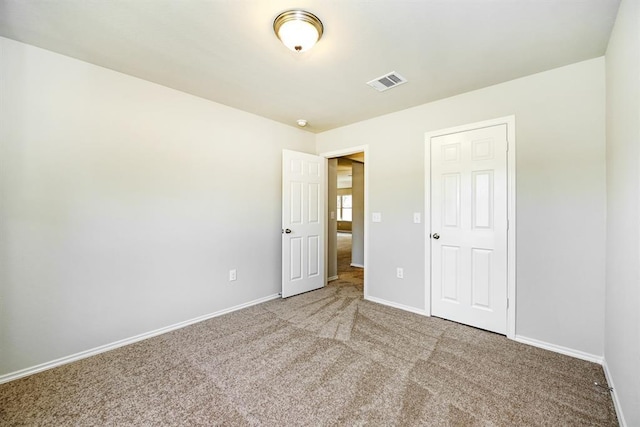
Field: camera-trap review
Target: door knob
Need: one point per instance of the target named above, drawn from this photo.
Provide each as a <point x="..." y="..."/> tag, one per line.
<point x="287" y="231"/>
<point x="436" y="236"/>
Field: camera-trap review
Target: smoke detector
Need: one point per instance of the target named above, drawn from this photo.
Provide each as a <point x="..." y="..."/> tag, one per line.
<point x="387" y="81"/>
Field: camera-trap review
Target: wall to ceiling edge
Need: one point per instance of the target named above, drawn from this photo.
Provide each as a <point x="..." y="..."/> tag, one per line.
<point x="124" y="205"/>
<point x="561" y="198"/>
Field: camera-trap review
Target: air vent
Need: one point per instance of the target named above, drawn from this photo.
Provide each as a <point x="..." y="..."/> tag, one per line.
<point x="387" y="81"/>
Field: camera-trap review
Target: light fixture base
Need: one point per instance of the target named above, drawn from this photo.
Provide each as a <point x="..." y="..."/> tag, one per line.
<point x="298" y="30"/>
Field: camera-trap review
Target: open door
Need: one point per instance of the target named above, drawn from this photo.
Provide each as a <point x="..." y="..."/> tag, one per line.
<point x="303" y="216"/>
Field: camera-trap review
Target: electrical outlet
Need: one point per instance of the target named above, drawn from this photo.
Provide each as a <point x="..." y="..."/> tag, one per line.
<point x="233" y="275"/>
<point x="400" y="273"/>
<point x="376" y="217"/>
<point x="416" y="217"/>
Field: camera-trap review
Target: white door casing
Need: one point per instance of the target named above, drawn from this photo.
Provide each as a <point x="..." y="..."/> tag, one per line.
<point x="469" y="209"/>
<point x="303" y="217"/>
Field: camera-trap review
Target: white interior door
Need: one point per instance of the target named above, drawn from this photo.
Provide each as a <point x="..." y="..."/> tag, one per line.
<point x="469" y="227"/>
<point x="303" y="217"/>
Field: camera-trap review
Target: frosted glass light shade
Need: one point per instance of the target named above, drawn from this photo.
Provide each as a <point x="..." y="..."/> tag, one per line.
<point x="298" y="30"/>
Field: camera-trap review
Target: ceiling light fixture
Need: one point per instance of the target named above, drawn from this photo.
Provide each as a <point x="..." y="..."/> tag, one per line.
<point x="298" y="30"/>
<point x="301" y="122"/>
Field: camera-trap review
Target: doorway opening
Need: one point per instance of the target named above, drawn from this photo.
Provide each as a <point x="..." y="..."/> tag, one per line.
<point x="346" y="225"/>
<point x="349" y="218"/>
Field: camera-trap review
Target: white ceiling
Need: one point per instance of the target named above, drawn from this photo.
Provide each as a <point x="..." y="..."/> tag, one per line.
<point x="225" y="50"/>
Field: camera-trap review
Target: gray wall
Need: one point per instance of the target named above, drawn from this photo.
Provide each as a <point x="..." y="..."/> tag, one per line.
<point x="622" y="321"/>
<point x="357" y="222"/>
<point x="560" y="204"/>
<point x="124" y="206"/>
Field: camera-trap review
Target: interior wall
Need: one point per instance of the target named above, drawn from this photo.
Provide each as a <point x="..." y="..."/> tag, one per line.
<point x="622" y="321"/>
<point x="332" y="228"/>
<point x="560" y="134"/>
<point x="125" y="204"/>
<point x="357" y="221"/>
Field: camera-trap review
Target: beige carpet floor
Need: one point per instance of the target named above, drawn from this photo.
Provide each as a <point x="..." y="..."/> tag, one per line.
<point x="347" y="275"/>
<point x="324" y="358"/>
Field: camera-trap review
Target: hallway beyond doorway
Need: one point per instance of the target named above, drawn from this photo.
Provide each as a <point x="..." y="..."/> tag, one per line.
<point x="347" y="275"/>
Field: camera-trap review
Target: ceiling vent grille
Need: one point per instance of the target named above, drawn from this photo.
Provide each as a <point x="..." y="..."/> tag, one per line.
<point x="387" y="81"/>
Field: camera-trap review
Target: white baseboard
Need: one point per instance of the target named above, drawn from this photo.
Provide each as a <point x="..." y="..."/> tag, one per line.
<point x="614" y="394"/>
<point x="560" y="349"/>
<point x="357" y="265"/>
<point x="101" y="349"/>
<point x="332" y="278"/>
<point x="396" y="305"/>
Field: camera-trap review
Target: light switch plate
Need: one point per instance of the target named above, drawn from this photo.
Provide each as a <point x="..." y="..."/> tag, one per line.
<point x="376" y="217"/>
<point x="416" y="218"/>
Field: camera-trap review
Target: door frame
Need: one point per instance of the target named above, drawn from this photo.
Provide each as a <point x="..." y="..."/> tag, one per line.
<point x="340" y="153"/>
<point x="510" y="122"/>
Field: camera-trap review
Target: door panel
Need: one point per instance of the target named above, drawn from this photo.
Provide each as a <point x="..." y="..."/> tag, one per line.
<point x="302" y="223"/>
<point x="450" y="270"/>
<point x="451" y="200"/>
<point x="295" y="245"/>
<point x="481" y="278"/>
<point x="314" y="203"/>
<point x="314" y="256"/>
<point x="296" y="189"/>
<point x="469" y="217"/>
<point x="482" y="199"/>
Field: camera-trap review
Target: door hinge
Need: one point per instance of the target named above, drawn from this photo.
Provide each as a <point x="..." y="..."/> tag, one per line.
<point x="507" y="302"/>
